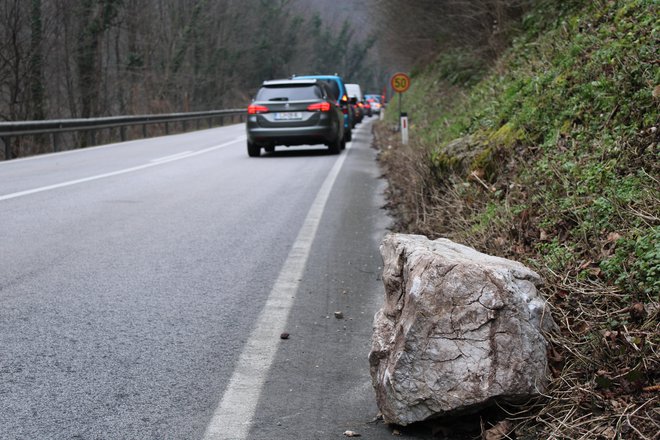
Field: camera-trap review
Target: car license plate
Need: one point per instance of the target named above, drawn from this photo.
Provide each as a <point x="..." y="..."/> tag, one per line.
<point x="288" y="116"/>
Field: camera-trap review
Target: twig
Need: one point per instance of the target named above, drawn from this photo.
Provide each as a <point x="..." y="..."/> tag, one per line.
<point x="473" y="175"/>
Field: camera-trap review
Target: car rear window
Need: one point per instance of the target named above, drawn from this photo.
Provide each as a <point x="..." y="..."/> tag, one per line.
<point x="289" y="93"/>
<point x="333" y="87"/>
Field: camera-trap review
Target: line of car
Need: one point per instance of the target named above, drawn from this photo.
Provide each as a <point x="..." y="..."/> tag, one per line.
<point x="305" y="110"/>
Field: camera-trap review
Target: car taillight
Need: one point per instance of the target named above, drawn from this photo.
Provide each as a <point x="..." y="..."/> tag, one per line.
<point x="253" y="109"/>
<point x="344" y="98"/>
<point x="360" y="104"/>
<point x="344" y="110"/>
<point x="321" y="106"/>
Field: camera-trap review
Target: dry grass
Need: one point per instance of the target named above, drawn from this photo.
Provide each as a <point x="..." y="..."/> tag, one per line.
<point x="604" y="361"/>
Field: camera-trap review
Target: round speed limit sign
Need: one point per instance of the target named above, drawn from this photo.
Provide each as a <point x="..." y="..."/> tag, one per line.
<point x="400" y="82"/>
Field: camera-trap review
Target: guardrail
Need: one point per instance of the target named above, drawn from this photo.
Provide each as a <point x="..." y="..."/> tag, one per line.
<point x="54" y="127"/>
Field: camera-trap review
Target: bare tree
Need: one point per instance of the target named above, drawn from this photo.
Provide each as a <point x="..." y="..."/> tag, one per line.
<point x="85" y="58"/>
<point x="418" y="29"/>
<point x="14" y="59"/>
<point x="36" y="62"/>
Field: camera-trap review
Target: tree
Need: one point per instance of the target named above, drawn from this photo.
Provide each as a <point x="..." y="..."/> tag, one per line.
<point x="36" y="62"/>
<point x="95" y="17"/>
<point x="108" y="57"/>
<point x="419" y="29"/>
<point x="14" y="59"/>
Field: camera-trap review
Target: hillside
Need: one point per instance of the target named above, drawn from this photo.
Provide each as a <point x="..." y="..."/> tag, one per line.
<point x="550" y="156"/>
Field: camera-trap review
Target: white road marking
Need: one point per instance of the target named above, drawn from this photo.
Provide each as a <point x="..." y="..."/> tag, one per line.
<point x="232" y="418"/>
<point x="171" y="157"/>
<point x="100" y="147"/>
<point x="118" y="172"/>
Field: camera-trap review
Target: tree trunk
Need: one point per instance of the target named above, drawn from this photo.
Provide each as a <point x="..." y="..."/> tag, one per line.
<point x="95" y="18"/>
<point x="36" y="62"/>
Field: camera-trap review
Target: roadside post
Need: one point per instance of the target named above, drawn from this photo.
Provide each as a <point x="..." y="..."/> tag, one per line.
<point x="400" y="82"/>
<point x="404" y="128"/>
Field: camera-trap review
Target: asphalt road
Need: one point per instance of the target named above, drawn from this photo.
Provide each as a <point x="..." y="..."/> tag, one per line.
<point x="144" y="287"/>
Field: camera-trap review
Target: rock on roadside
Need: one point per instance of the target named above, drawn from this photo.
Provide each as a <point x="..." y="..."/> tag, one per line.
<point x="458" y="329"/>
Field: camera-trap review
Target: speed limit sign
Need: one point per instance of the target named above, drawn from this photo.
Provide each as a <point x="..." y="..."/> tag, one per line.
<point x="400" y="82"/>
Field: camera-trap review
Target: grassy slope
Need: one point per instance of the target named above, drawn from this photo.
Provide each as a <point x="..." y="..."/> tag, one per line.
<point x="557" y="166"/>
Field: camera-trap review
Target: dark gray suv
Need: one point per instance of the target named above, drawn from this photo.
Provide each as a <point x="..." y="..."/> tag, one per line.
<point x="294" y="112"/>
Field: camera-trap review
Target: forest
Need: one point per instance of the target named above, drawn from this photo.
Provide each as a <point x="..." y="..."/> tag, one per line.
<point x="86" y="58"/>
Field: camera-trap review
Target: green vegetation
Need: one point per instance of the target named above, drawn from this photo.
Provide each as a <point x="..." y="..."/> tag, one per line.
<point x="557" y="166"/>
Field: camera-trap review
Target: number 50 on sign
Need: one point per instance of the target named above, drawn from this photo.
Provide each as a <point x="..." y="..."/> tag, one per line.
<point x="400" y="82"/>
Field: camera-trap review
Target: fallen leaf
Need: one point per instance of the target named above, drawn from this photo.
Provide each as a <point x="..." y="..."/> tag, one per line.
<point x="555" y="356"/>
<point x="339" y="315"/>
<point x="586" y="265"/>
<point x="582" y="328"/>
<point x="351" y="434"/>
<point x="396" y="432"/>
<point x="498" y="432"/>
<point x="284" y="335"/>
<point x="637" y="312"/>
<point x="613" y="236"/>
<point x="609" y="433"/>
<point x="595" y="271"/>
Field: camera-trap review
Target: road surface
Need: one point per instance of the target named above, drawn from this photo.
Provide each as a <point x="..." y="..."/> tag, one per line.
<point x="144" y="287"/>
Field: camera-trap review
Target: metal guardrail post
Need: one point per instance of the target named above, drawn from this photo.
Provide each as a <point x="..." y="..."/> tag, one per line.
<point x="54" y="141"/>
<point x="6" y="141"/>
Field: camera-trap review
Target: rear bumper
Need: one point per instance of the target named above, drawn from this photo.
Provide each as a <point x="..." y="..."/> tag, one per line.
<point x="291" y="136"/>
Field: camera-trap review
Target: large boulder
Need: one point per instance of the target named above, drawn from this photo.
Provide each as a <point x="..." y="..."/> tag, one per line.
<point x="458" y="330"/>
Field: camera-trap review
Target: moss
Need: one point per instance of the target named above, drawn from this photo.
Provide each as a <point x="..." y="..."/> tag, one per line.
<point x="485" y="164"/>
<point x="508" y="136"/>
<point x="443" y="164"/>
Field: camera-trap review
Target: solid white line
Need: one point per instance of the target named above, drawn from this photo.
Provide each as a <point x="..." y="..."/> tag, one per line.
<point x="232" y="418"/>
<point x="171" y="157"/>
<point x="102" y="147"/>
<point x="114" y="173"/>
